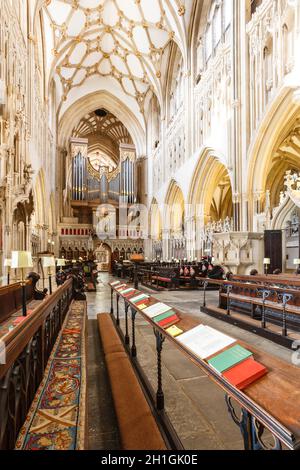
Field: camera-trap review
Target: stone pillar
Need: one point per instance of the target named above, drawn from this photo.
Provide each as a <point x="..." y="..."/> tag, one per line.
<point x="165" y="244"/>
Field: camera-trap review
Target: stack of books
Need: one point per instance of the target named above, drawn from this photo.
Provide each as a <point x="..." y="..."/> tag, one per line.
<point x="115" y="283"/>
<point x="205" y="341"/>
<point x="141" y="300"/>
<point x="127" y="292"/>
<point x="238" y="366"/>
<point x="235" y="363"/>
<point x="162" y="315"/>
<point x="121" y="287"/>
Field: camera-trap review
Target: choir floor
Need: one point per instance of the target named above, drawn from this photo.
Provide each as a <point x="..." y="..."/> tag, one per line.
<point x="195" y="405"/>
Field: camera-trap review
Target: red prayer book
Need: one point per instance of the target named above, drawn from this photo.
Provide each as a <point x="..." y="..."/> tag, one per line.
<point x="245" y="373"/>
<point x="169" y="321"/>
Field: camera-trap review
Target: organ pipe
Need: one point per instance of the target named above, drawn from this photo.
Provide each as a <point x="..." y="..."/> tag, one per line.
<point x="90" y="185"/>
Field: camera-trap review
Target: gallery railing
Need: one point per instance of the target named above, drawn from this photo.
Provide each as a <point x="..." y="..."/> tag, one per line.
<point x="27" y="349"/>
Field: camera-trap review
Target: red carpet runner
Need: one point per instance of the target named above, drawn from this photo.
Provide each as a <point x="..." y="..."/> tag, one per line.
<point x="56" y="420"/>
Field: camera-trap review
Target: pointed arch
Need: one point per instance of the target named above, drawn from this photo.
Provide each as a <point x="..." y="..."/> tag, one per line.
<point x="211" y="187"/>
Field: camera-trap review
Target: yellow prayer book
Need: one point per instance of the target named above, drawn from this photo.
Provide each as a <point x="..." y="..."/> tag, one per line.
<point x="142" y="307"/>
<point x="174" y="331"/>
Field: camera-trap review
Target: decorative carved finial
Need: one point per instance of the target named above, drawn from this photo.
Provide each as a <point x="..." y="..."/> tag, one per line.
<point x="181" y="10"/>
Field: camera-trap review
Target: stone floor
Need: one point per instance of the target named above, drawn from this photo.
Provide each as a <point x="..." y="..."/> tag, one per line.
<point x="195" y="405"/>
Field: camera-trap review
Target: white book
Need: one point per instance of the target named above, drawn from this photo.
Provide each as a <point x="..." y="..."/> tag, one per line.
<point x="126" y="291"/>
<point x="205" y="341"/>
<point x="115" y="283"/>
<point x="156" y="309"/>
<point x="139" y="297"/>
<point x="121" y="287"/>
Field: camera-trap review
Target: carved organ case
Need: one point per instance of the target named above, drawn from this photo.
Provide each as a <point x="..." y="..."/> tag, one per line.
<point x="97" y="183"/>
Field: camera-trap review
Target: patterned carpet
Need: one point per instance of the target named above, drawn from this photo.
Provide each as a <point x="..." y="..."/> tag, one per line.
<point x="56" y="420"/>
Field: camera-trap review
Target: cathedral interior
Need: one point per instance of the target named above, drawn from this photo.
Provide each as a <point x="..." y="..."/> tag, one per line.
<point x="149" y="225"/>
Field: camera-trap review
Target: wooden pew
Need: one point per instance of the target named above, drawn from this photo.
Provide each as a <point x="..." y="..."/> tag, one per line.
<point x="137" y="426"/>
<point x="11" y="296"/>
<point x="266" y="305"/>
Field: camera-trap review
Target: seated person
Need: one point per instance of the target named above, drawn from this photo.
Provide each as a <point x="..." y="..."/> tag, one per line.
<point x="253" y="272"/>
<point x="277" y="271"/>
<point x="217" y="272"/>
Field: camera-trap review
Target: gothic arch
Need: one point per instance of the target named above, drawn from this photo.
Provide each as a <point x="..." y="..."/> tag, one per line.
<point x="174" y="210"/>
<point x="211" y="173"/>
<point x="88" y="104"/>
<point x="155" y="222"/>
<point x="275" y="125"/>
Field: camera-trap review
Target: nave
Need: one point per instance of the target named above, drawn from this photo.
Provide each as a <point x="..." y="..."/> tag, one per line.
<point x="149" y="226"/>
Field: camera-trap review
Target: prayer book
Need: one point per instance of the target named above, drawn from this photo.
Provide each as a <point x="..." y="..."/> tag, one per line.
<point x="245" y="373"/>
<point x="127" y="291"/>
<point x="169" y="321"/>
<point x="174" y="331"/>
<point x="139" y="297"/>
<point x="156" y="309"/>
<point x="229" y="358"/>
<point x="205" y="341"/>
<point x="115" y="283"/>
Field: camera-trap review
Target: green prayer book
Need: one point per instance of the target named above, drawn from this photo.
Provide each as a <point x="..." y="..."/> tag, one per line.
<point x="163" y="316"/>
<point x="229" y="358"/>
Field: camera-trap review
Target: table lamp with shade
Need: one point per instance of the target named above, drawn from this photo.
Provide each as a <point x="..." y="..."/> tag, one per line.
<point x="49" y="262"/>
<point x="22" y="260"/>
<point x="7" y="264"/>
<point x="297" y="262"/>
<point x="60" y="263"/>
<point x="267" y="262"/>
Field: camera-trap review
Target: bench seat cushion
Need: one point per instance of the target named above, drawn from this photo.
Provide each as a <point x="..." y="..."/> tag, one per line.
<point x="110" y="339"/>
<point x="138" y="428"/>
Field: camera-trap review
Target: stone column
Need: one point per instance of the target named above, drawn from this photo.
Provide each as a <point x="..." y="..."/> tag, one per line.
<point x="165" y="244"/>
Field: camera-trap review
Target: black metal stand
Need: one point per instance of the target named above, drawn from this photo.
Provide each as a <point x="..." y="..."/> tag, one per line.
<point x="136" y="278"/>
<point x="251" y="430"/>
<point x="118" y="312"/>
<point x="8" y="279"/>
<point x="127" y="340"/>
<point x="133" y="347"/>
<point x="205" y="284"/>
<point x="111" y="301"/>
<point x="284" y="298"/>
<point x="160" y="398"/>
<point x="50" y="284"/>
<point x="24" y="306"/>
<point x="229" y="289"/>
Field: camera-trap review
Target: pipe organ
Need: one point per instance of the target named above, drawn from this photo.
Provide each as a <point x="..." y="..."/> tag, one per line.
<point x="91" y="184"/>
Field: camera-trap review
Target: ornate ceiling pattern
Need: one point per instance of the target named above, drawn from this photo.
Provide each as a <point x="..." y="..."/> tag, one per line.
<point x="107" y="125"/>
<point x="120" y="39"/>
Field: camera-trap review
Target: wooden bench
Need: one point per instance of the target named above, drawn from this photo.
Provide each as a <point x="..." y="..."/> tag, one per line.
<point x="11" y="296"/>
<point x="137" y="426"/>
<point x="260" y="306"/>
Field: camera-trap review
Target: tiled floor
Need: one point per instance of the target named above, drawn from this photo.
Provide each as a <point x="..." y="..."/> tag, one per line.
<point x="195" y="405"/>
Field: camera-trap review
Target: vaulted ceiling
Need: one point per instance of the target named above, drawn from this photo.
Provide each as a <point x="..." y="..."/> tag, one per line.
<point x="103" y="124"/>
<point x="116" y="45"/>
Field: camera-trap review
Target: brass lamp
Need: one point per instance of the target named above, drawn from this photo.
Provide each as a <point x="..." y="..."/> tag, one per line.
<point x="60" y="263"/>
<point x="297" y="262"/>
<point x="7" y="264"/>
<point x="22" y="260"/>
<point x="267" y="262"/>
<point x="49" y="262"/>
